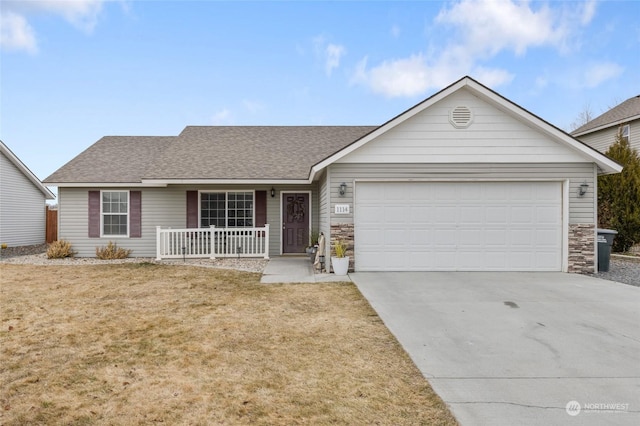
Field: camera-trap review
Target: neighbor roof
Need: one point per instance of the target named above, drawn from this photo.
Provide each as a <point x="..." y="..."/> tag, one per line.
<point x="199" y="153"/>
<point x="25" y="171"/>
<point x="626" y="111"/>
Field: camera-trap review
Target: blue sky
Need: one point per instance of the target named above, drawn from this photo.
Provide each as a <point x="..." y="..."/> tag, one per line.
<point x="74" y="71"/>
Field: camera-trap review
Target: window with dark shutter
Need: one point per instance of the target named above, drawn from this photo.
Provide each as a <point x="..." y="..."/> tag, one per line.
<point x="261" y="208"/>
<point x="192" y="209"/>
<point x="94" y="214"/>
<point x="135" y="214"/>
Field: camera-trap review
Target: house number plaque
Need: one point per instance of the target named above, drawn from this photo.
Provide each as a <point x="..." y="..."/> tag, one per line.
<point x="342" y="209"/>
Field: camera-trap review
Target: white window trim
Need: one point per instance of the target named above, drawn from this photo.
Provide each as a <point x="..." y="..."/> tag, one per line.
<point x="226" y="204"/>
<point x="626" y="127"/>
<point x="102" y="234"/>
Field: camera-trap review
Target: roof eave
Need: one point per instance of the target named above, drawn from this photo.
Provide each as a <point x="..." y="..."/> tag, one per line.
<point x="25" y="171"/>
<point x="165" y="182"/>
<point x="606" y="126"/>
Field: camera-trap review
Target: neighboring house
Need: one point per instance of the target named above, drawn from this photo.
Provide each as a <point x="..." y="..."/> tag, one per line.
<point x="22" y="202"/>
<point x="601" y="132"/>
<point x="465" y="180"/>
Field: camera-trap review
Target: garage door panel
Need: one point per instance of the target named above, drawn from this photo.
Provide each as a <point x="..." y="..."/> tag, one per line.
<point x="445" y="214"/>
<point x="471" y="214"/>
<point x="522" y="214"/>
<point x="458" y="226"/>
<point x="547" y="215"/>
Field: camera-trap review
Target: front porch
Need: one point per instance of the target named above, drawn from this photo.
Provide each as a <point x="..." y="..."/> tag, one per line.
<point x="212" y="242"/>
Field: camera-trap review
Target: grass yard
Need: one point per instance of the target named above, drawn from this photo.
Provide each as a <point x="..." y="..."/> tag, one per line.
<point x="144" y="343"/>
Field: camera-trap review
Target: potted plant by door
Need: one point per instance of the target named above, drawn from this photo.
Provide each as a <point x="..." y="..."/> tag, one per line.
<point x="340" y="262"/>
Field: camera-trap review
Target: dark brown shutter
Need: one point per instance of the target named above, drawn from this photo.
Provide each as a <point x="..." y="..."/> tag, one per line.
<point x="261" y="208"/>
<point x="94" y="214"/>
<point x="135" y="213"/>
<point x="192" y="209"/>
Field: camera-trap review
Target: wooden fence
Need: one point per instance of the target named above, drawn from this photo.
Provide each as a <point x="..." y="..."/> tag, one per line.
<point x="52" y="225"/>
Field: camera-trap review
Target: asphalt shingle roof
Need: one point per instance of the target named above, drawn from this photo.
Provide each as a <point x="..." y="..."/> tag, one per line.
<point x="113" y="159"/>
<point x="210" y="152"/>
<point x="627" y="109"/>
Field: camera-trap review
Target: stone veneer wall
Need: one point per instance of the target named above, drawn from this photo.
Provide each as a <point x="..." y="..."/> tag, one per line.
<point x="344" y="232"/>
<point x="582" y="248"/>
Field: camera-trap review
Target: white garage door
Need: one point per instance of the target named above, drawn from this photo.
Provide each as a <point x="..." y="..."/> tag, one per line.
<point x="458" y="226"/>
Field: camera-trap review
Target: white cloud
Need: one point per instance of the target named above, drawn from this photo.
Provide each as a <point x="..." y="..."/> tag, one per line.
<point x="488" y="27"/>
<point x="482" y="29"/>
<point x="333" y="54"/>
<point x="588" y="11"/>
<point x="414" y="75"/>
<point x="16" y="33"/>
<point x="330" y="53"/>
<point x="599" y="73"/>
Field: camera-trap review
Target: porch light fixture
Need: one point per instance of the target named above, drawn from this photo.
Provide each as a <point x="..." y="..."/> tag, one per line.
<point x="342" y="189"/>
<point x="583" y="189"/>
<point x="273" y="192"/>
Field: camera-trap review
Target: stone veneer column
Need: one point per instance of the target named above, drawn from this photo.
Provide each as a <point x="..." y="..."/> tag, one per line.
<point x="582" y="248"/>
<point x="344" y="232"/>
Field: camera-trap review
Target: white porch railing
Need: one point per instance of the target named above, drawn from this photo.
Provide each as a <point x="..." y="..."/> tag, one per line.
<point x="191" y="243"/>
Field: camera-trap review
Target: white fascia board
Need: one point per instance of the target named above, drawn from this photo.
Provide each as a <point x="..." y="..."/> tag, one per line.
<point x="606" y="164"/>
<point x="25" y="171"/>
<point x="165" y="182"/>
<point x="103" y="184"/>
<point x="389" y="125"/>
<point x="608" y="125"/>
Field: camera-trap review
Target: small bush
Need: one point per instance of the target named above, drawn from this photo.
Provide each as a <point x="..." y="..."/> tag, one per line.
<point x="59" y="250"/>
<point x="112" y="251"/>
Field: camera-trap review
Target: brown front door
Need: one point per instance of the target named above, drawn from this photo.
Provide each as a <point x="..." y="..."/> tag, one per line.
<point x="295" y="226"/>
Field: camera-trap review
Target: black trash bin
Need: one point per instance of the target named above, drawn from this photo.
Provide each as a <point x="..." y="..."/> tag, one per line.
<point x="605" y="241"/>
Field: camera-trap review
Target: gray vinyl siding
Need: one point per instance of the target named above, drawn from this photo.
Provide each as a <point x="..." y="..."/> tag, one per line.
<point x="603" y="139"/>
<point x="22" y="207"/>
<point x="165" y="207"/>
<point x="581" y="209"/>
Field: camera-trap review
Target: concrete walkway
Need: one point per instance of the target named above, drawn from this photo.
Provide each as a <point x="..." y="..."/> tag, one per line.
<point x="518" y="348"/>
<point x="295" y="269"/>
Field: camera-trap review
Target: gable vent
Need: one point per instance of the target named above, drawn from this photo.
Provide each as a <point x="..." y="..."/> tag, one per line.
<point x="461" y="117"/>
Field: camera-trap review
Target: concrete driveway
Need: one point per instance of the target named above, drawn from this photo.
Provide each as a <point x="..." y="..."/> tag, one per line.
<point x="518" y="348"/>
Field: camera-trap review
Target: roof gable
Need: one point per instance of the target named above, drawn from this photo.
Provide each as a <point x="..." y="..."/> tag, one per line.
<point x="498" y="102"/>
<point x="628" y="110"/>
<point x="25" y="171"/>
<point x="462" y="128"/>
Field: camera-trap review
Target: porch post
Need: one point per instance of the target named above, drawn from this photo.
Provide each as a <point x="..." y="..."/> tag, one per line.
<point x="158" y="254"/>
<point x="266" y="241"/>
<point x="212" y="242"/>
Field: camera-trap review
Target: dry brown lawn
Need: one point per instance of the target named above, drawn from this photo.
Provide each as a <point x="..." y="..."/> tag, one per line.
<point x="144" y="343"/>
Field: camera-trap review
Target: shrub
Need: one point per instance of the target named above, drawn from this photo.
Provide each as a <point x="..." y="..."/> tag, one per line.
<point x="619" y="197"/>
<point x="112" y="251"/>
<point x="59" y="249"/>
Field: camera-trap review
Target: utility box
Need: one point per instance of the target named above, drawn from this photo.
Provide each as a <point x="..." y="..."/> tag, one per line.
<point x="605" y="241"/>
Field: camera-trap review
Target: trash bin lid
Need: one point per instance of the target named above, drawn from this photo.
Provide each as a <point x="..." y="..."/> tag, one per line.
<point x="607" y="231"/>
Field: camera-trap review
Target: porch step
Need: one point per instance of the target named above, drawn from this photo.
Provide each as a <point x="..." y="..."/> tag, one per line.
<point x="286" y="269"/>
